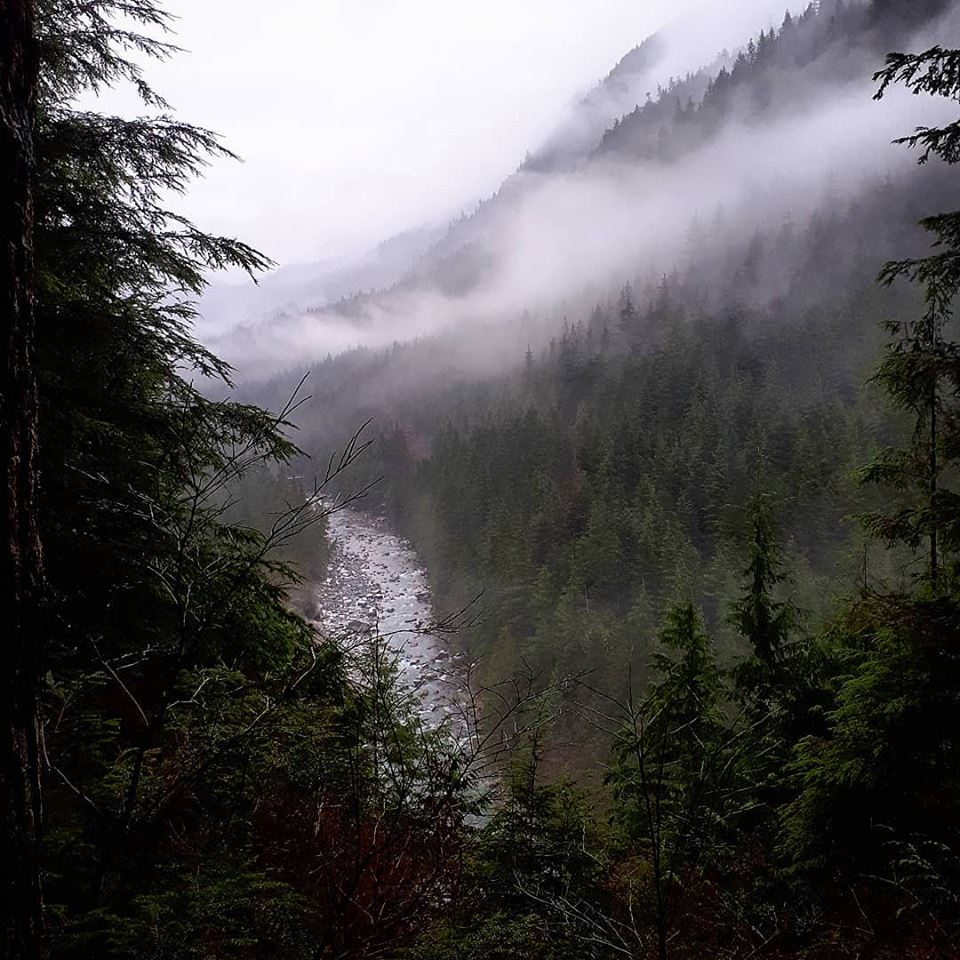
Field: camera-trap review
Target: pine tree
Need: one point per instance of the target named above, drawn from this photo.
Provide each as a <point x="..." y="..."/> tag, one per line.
<point x="154" y="594"/>
<point x="921" y="369"/>
<point x="675" y="763"/>
<point x="762" y="620"/>
<point x="628" y="312"/>
<point x="889" y="752"/>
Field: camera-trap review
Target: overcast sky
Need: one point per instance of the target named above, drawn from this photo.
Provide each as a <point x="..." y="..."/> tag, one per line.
<point x="360" y="118"/>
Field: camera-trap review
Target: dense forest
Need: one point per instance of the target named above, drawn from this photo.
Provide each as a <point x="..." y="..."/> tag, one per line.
<point x="612" y="471"/>
<point x="699" y="540"/>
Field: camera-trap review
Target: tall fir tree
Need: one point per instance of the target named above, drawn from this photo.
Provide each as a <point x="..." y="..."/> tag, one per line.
<point x="764" y="621"/>
<point x="21" y="571"/>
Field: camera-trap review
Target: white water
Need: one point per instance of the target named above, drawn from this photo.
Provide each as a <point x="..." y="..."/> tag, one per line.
<point x="376" y="584"/>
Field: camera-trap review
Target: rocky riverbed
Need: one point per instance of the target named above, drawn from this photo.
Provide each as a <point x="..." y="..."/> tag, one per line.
<point x="376" y="584"/>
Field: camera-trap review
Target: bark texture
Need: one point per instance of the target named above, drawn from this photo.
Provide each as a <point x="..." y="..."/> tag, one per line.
<point x="21" y="567"/>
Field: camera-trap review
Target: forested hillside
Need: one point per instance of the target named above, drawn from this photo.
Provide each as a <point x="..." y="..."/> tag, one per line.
<point x="675" y="497"/>
<point x="214" y="780"/>
<point x="611" y="471"/>
<point x="693" y="522"/>
<point x="769" y="130"/>
<point x="581" y="493"/>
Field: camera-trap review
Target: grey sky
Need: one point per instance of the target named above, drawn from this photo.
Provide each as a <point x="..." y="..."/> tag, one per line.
<point x="359" y="118"/>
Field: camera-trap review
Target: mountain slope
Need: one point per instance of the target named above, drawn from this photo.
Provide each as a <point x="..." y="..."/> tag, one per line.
<point x="786" y="121"/>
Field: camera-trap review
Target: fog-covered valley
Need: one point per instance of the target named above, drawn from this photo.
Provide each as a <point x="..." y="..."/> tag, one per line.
<point x="617" y="194"/>
<point x="515" y="514"/>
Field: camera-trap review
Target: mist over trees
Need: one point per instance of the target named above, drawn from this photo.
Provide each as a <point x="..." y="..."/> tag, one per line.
<point x="684" y="457"/>
<point x="173" y="669"/>
<point x="691" y="518"/>
<point x="743" y="132"/>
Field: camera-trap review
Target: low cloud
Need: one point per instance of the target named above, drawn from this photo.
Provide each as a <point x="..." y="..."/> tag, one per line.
<point x="552" y="235"/>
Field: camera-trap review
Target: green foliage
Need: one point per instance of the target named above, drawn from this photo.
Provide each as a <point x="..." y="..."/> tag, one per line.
<point x="921" y="369"/>
<point x="221" y="782"/>
<point x="886" y="762"/>
<point x="881" y="783"/>
<point x="935" y="72"/>
<point x="218" y="781"/>
<point x="537" y="857"/>
<point x="670" y="774"/>
<point x="762" y="620"/>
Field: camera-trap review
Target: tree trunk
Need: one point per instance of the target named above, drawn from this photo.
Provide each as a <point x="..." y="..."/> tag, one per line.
<point x="934" y="474"/>
<point x="21" y="569"/>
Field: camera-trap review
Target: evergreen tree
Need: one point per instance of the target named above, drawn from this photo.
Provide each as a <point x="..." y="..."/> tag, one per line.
<point x="628" y="312"/>
<point x="21" y="570"/>
<point x="215" y="780"/>
<point x="921" y="369"/>
<point x="882" y="781"/>
<point x="673" y="767"/>
<point x="761" y="619"/>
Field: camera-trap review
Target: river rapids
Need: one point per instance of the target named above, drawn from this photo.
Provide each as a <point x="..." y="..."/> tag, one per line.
<point x="376" y="585"/>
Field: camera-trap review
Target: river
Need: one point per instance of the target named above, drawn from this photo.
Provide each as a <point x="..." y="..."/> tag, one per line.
<point x="376" y="584"/>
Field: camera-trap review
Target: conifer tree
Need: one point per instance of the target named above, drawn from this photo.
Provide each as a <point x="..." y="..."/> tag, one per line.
<point x="628" y="311"/>
<point x="671" y="764"/>
<point x="921" y="369"/>
<point x="151" y="589"/>
<point x="758" y="616"/>
<point x="21" y="571"/>
<point x="889" y="755"/>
